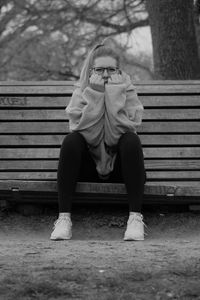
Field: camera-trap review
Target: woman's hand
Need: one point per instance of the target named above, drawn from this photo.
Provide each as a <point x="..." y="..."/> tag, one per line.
<point x="97" y="83"/>
<point x="115" y="79"/>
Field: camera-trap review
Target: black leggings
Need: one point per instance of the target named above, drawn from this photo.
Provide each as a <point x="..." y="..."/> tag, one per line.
<point x="76" y="164"/>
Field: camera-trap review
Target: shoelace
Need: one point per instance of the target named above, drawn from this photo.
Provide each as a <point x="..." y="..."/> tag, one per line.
<point x="139" y="219"/>
<point x="59" y="220"/>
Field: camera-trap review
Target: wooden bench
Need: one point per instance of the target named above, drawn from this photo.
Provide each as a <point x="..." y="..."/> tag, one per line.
<point x="33" y="125"/>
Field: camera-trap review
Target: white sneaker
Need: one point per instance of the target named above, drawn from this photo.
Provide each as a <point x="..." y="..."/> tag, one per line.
<point x="135" y="228"/>
<point x="62" y="229"/>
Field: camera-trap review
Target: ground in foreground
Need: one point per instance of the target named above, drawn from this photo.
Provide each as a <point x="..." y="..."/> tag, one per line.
<point x="97" y="263"/>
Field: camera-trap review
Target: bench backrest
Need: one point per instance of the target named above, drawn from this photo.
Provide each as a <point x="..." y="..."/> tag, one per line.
<point x="33" y="125"/>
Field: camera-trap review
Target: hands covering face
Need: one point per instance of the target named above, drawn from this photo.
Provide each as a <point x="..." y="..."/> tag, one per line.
<point x="98" y="83"/>
<point x="115" y="79"/>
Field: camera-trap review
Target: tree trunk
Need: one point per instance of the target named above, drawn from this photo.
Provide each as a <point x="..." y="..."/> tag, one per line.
<point x="175" y="50"/>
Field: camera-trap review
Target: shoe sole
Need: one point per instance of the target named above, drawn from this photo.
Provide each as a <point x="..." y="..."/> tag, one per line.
<point x="60" y="238"/>
<point x="133" y="239"/>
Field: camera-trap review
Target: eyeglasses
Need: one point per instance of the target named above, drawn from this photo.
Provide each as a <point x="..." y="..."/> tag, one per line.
<point x="101" y="70"/>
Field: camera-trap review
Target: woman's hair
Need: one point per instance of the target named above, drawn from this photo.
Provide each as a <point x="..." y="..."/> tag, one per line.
<point x="103" y="49"/>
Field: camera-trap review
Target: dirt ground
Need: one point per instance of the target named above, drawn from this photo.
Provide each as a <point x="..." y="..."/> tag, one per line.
<point x="97" y="263"/>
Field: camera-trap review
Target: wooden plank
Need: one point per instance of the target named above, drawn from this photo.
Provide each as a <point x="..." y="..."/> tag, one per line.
<point x="173" y="164"/>
<point x="31" y="101"/>
<point x="33" y="114"/>
<point x="164" y="152"/>
<point x="56" y="140"/>
<point x="169" y="139"/>
<point x="51" y="127"/>
<point x="21" y="165"/>
<point x="188" y="191"/>
<point x="156" y="188"/>
<point x="69" y="82"/>
<point x="169" y="127"/>
<point x="158" y="164"/>
<point x="45" y="83"/>
<point x="39" y="140"/>
<point x="37" y="88"/>
<point x="185" y="183"/>
<point x="63" y="127"/>
<point x="164" y="88"/>
<point x="60" y="87"/>
<point x="63" y="101"/>
<point x="86" y="187"/>
<point x="170" y="100"/>
<point x="151" y="175"/>
<point x="153" y="101"/>
<point x="29" y="175"/>
<point x="172" y="114"/>
<point x="179" y="174"/>
<point x="28" y="153"/>
<point x="57" y="114"/>
<point x="175" y="152"/>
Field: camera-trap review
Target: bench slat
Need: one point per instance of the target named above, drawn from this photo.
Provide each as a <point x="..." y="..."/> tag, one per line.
<point x="163" y="152"/>
<point x="33" y="102"/>
<point x="154" y="188"/>
<point x="52" y="164"/>
<point x="173" y="164"/>
<point x="171" y="114"/>
<point x="33" y="114"/>
<point x="170" y="100"/>
<point x="21" y="165"/>
<point x="62" y="101"/>
<point x="63" y="127"/>
<point x="169" y="175"/>
<point x="52" y="114"/>
<point x="154" y="175"/>
<point x="38" y="89"/>
<point x="189" y="139"/>
<point x="65" y="87"/>
<point x="50" y="127"/>
<point x="176" y="152"/>
<point x="56" y="140"/>
<point x="169" y="127"/>
<point x="22" y="140"/>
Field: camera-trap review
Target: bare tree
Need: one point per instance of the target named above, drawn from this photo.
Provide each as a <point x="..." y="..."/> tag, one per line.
<point x="43" y="39"/>
<point x="33" y="32"/>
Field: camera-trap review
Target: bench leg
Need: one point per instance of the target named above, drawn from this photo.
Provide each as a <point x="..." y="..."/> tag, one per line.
<point x="4" y="205"/>
<point x="29" y="209"/>
<point x="194" y="207"/>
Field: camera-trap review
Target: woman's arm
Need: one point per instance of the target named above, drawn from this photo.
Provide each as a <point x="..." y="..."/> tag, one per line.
<point x="123" y="109"/>
<point x="85" y="108"/>
<point x="122" y="103"/>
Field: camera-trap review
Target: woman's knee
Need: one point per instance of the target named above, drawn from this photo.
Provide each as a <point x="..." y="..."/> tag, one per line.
<point x="73" y="141"/>
<point x="130" y="140"/>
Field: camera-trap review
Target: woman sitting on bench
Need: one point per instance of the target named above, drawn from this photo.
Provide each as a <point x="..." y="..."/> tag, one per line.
<point x="103" y="145"/>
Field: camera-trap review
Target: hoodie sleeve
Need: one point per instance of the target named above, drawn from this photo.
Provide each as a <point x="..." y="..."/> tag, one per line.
<point x="133" y="107"/>
<point x="123" y="111"/>
<point x="123" y="105"/>
<point x="85" y="108"/>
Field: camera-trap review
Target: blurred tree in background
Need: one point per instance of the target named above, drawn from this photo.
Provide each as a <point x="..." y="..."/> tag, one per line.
<point x="49" y="39"/>
<point x="174" y="39"/>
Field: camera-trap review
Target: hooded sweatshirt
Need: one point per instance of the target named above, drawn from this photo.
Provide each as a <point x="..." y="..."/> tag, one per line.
<point x="102" y="117"/>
